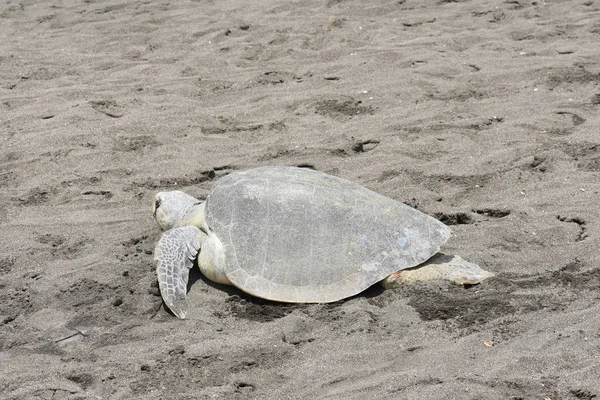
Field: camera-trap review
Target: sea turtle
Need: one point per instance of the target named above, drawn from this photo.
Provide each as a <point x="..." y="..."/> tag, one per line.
<point x="296" y="235"/>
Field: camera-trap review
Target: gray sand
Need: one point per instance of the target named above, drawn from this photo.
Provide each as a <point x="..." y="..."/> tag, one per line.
<point x="485" y="114"/>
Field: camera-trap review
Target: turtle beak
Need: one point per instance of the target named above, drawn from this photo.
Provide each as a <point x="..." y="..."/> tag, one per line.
<point x="155" y="205"/>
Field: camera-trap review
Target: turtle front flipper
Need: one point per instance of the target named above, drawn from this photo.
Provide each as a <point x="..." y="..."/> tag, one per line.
<point x="439" y="267"/>
<point x="174" y="255"/>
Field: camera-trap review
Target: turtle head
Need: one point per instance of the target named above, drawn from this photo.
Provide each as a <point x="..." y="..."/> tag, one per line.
<point x="172" y="209"/>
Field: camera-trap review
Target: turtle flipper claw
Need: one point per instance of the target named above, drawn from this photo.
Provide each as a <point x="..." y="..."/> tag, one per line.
<point x="174" y="255"/>
<point x="178" y="305"/>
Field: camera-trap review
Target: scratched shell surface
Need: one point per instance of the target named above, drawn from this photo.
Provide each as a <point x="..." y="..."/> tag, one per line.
<point x="298" y="235"/>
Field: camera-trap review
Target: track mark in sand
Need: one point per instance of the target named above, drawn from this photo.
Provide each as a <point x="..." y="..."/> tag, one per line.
<point x="244" y="387"/>
<point x="275" y="78"/>
<point x="208" y="86"/>
<point x="107" y="194"/>
<point x="584" y="394"/>
<point x="57" y="155"/>
<point x="107" y="107"/>
<point x="413" y="203"/>
<point x="54" y="393"/>
<point x="459" y="125"/>
<point x="577" y="120"/>
<point x="363" y="146"/>
<point x="333" y="315"/>
<point x="432" y="381"/>
<point x="111" y="8"/>
<point x="101" y="304"/>
<point x="84" y="380"/>
<point x="586" y="154"/>
<point x="460" y="94"/>
<point x="279" y="153"/>
<point x="137" y="246"/>
<point x="138" y="270"/>
<point x="87" y="292"/>
<point x="82" y="181"/>
<point x="343" y="107"/>
<point x="213" y="130"/>
<point x="225" y="125"/>
<point x="591" y="165"/>
<point x="559" y="123"/>
<point x="438" y="182"/>
<point x="14" y="301"/>
<point x="134" y="143"/>
<point x="139" y="267"/>
<point x="45" y="194"/>
<point x="539" y="163"/>
<point x="307" y="166"/>
<point x="459" y="218"/>
<point x="51" y="239"/>
<point x="465" y="311"/>
<point x="296" y="339"/>
<point x="255" y="309"/>
<point x="577" y="74"/>
<point x="207" y="370"/>
<point x="504" y="296"/>
<point x="389" y="174"/>
<point x="196" y="178"/>
<point x="495" y="16"/>
<point x="37" y="196"/>
<point x="244" y="365"/>
<point x="7" y="264"/>
<point x="418" y="23"/>
<point x="492" y="212"/>
<point x="62" y="248"/>
<point x="517" y="388"/>
<point x="77" y="333"/>
<point x="580" y="222"/>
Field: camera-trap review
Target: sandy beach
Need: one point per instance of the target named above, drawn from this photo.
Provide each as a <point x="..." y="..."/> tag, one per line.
<point x="484" y="114"/>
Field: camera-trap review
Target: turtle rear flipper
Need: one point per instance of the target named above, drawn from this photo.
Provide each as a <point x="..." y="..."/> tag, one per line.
<point x="439" y="267"/>
<point x="174" y="255"/>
